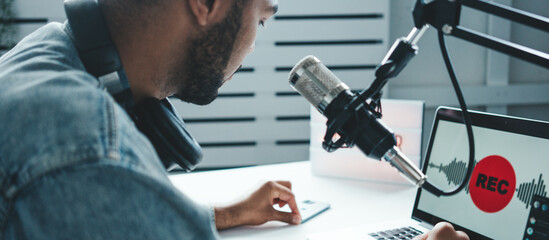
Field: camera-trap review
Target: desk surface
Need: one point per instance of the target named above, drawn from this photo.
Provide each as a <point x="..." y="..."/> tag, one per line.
<point x="353" y="202"/>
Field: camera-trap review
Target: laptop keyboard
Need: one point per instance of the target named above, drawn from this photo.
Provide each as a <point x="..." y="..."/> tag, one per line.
<point x="398" y="233"/>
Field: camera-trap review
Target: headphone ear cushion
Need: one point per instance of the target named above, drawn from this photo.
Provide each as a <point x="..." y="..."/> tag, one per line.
<point x="159" y="121"/>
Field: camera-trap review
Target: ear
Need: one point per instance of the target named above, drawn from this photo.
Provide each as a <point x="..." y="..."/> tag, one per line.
<point x="206" y="11"/>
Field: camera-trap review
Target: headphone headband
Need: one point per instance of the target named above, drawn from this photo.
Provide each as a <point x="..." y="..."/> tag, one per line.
<point x="96" y="48"/>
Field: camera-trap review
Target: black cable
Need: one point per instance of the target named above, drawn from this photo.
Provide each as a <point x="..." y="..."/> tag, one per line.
<point x="466" y="118"/>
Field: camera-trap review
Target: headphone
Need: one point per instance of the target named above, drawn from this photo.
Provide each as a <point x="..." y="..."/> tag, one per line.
<point x="157" y="119"/>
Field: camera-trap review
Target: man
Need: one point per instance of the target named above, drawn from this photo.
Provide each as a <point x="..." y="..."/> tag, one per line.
<point x="72" y="163"/>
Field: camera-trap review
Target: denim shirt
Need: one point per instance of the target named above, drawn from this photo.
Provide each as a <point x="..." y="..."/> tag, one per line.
<point x="72" y="163"/>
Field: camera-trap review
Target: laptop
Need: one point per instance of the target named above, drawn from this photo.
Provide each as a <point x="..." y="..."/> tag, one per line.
<point x="506" y="197"/>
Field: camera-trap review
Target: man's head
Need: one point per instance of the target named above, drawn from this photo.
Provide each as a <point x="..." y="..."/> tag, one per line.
<point x="190" y="47"/>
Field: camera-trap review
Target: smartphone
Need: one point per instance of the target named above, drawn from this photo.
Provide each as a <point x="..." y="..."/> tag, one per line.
<point x="307" y="208"/>
<point x="310" y="209"/>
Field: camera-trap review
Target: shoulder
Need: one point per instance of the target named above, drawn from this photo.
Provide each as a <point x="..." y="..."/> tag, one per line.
<point x="47" y="97"/>
<point x="48" y="47"/>
<point x="44" y="61"/>
<point x="53" y="113"/>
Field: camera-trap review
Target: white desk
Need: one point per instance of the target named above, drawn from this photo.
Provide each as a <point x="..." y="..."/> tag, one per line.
<point x="352" y="202"/>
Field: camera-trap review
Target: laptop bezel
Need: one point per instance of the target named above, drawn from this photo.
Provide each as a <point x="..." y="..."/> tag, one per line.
<point x="517" y="125"/>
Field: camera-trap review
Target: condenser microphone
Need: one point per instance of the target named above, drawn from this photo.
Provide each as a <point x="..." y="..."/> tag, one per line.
<point x="360" y="126"/>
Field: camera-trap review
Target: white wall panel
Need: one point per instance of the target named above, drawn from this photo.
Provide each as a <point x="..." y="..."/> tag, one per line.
<point x="313" y="7"/>
<point x="244" y="131"/>
<point x="32" y="9"/>
<point x="30" y="15"/>
<point x="256" y="155"/>
<point x="290" y="55"/>
<point x="265" y="80"/>
<point x="239" y="107"/>
<point x="306" y="30"/>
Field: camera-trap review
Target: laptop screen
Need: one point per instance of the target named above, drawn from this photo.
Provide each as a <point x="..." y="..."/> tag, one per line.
<point x="506" y="197"/>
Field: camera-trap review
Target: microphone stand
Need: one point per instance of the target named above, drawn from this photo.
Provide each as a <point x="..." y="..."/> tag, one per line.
<point x="443" y="15"/>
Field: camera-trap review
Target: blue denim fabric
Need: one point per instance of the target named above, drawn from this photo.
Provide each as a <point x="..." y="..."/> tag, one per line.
<point x="72" y="163"/>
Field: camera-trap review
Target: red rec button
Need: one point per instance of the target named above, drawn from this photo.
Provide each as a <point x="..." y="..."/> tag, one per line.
<point x="492" y="184"/>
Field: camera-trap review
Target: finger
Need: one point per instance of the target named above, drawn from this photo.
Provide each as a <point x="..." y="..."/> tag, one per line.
<point x="290" y="218"/>
<point x="444" y="230"/>
<point x="284" y="194"/>
<point x="279" y="202"/>
<point x="421" y="237"/>
<point x="287" y="184"/>
<point x="462" y="235"/>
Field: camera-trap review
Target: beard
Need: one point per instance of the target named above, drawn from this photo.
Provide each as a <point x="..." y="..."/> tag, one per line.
<point x="199" y="75"/>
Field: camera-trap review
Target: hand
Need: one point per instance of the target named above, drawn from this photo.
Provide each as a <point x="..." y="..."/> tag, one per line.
<point x="443" y="230"/>
<point x="258" y="207"/>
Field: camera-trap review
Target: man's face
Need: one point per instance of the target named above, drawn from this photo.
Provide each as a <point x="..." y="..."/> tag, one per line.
<point x="216" y="53"/>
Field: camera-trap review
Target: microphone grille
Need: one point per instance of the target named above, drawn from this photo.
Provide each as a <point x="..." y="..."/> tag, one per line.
<point x="315" y="82"/>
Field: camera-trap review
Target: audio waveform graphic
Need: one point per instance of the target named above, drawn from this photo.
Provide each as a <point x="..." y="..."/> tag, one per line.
<point x="454" y="171"/>
<point x="527" y="190"/>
